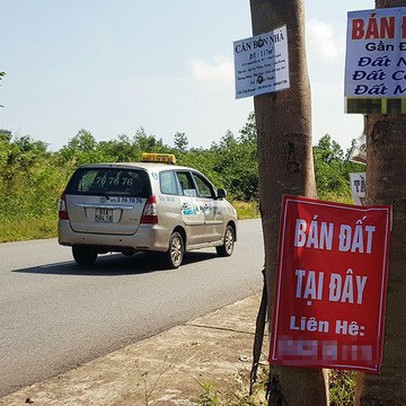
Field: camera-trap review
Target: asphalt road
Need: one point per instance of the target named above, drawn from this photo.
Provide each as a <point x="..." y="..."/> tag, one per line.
<point x="55" y="315"/>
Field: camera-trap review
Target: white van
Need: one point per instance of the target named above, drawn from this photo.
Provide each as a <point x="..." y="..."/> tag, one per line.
<point x="151" y="205"/>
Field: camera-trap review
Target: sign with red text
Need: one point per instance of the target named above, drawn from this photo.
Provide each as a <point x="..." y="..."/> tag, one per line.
<point x="331" y="285"/>
<point x="375" y="69"/>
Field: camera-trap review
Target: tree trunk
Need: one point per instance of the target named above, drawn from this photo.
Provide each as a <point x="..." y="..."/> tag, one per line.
<point x="283" y="121"/>
<point x="386" y="152"/>
<point x="386" y="167"/>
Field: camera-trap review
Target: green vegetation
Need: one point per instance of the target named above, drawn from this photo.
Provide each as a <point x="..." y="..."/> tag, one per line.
<point x="342" y="387"/>
<point x="32" y="178"/>
<point x="341" y="390"/>
<point x="210" y="395"/>
<point x="332" y="171"/>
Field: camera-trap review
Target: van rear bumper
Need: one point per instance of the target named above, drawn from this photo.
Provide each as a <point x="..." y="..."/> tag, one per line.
<point x="147" y="238"/>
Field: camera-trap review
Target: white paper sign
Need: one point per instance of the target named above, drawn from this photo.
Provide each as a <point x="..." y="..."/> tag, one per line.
<point x="262" y="63"/>
<point x="376" y="53"/>
<point x="358" y="183"/>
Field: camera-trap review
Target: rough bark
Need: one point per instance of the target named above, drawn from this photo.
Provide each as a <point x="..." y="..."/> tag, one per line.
<point x="386" y="169"/>
<point x="283" y="121"/>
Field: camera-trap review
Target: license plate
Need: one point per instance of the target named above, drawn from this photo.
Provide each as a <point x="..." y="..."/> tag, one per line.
<point x="104" y="216"/>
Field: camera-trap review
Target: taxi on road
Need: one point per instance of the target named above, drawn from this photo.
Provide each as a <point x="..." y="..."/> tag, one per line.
<point x="152" y="205"/>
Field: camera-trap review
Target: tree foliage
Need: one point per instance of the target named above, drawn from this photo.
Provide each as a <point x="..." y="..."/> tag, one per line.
<point x="32" y="177"/>
<point x="2" y="74"/>
<point x="332" y="170"/>
<point x="180" y="141"/>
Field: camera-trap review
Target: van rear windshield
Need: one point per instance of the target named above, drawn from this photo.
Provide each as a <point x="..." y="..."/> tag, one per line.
<point x="109" y="181"/>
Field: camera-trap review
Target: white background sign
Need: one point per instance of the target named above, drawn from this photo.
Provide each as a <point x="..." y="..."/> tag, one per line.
<point x="376" y="53"/>
<point x="262" y="64"/>
<point x="358" y="184"/>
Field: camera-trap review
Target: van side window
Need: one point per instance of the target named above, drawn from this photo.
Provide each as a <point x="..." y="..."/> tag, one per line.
<point x="186" y="183"/>
<point x="204" y="188"/>
<point x="167" y="183"/>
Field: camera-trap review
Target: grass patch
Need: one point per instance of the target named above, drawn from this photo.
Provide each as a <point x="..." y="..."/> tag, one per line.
<point x="341" y="390"/>
<point x="342" y="387"/>
<point x="336" y="197"/>
<point x="26" y="227"/>
<point x="246" y="210"/>
<point x="22" y="225"/>
<point x="210" y="395"/>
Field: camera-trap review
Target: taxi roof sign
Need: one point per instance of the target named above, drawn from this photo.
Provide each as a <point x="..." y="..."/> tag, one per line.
<point x="156" y="157"/>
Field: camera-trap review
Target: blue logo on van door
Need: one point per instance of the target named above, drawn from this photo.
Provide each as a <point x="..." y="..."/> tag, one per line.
<point x="188" y="209"/>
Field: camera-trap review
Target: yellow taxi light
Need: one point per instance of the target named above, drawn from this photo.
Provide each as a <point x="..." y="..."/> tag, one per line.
<point x="155" y="157"/>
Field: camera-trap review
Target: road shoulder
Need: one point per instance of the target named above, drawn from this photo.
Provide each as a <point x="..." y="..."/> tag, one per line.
<point x="167" y="369"/>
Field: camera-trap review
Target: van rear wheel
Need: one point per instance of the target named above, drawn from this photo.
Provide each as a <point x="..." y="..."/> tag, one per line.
<point x="84" y="255"/>
<point x="176" y="250"/>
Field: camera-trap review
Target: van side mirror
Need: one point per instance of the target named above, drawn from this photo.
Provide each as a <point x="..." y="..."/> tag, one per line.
<point x="221" y="193"/>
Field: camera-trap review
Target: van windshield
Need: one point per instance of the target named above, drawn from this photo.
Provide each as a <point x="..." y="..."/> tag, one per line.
<point x="109" y="181"/>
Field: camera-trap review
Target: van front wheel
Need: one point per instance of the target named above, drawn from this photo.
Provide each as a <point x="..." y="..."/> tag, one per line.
<point x="227" y="248"/>
<point x="84" y="255"/>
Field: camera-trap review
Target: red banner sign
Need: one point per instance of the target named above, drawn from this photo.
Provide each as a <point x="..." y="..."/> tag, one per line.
<point x="331" y="285"/>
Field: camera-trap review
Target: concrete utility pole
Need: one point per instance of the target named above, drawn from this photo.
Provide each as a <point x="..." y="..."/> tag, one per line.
<point x="283" y="121"/>
<point x="386" y="169"/>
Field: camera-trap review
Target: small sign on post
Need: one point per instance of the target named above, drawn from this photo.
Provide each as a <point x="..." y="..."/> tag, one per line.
<point x="358" y="184"/>
<point x="331" y="285"/>
<point x="262" y="63"/>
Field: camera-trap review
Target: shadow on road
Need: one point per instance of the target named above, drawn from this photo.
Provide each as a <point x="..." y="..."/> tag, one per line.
<point x="117" y="264"/>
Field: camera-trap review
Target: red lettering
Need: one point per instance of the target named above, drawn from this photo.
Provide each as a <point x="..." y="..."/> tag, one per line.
<point x="357" y="28"/>
<point x="403" y="26"/>
<point x="384" y="28"/>
<point x="387" y="28"/>
<point x="372" y="30"/>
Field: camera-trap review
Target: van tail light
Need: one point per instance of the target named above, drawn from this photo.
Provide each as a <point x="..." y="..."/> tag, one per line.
<point x="150" y="214"/>
<point x="63" y="209"/>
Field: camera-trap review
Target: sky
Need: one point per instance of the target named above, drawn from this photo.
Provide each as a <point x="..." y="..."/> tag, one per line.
<point x="113" y="66"/>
